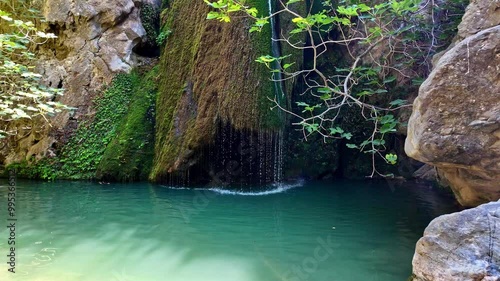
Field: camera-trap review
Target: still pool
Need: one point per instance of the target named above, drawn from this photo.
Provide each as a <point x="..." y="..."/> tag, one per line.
<point x="339" y="231"/>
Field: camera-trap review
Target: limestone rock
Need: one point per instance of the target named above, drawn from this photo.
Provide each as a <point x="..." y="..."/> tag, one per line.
<point x="463" y="246"/>
<point x="479" y="16"/>
<point x="96" y="40"/>
<point x="455" y="124"/>
<point x="426" y="172"/>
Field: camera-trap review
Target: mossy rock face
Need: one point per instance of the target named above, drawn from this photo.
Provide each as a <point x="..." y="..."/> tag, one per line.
<point x="150" y="19"/>
<point x="128" y="157"/>
<point x="312" y="158"/>
<point x="209" y="77"/>
<point x="115" y="145"/>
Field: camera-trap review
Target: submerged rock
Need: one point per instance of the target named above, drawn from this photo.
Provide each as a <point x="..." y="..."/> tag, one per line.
<point x="463" y="246"/>
<point x="455" y="124"/>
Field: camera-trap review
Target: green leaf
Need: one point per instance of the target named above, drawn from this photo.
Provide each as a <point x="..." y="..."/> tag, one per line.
<point x="365" y="93"/>
<point x="265" y="59"/>
<point x="388" y="127"/>
<point x="417" y="81"/>
<point x="213" y="15"/>
<point x="378" y="142"/>
<point x="325" y="97"/>
<point x="391" y="158"/>
<point x="350" y="145"/>
<point x="348" y="10"/>
<point x="347" y="136"/>
<point x="380" y="91"/>
<point x="389" y="118"/>
<point x="389" y="79"/>
<point x="311" y="127"/>
<point x="336" y="130"/>
<point x="252" y="11"/>
<point x="398" y="102"/>
<point x="324" y="90"/>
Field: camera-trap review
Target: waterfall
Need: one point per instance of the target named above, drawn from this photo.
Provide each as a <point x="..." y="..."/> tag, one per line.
<point x="280" y="97"/>
<point x="250" y="158"/>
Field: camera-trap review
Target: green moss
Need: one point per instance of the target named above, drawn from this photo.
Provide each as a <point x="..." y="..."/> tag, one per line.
<point x="150" y="18"/>
<point x="262" y="45"/>
<point x="44" y="169"/>
<point x="209" y="76"/>
<point x="83" y="153"/>
<point x="129" y="155"/>
<point x="116" y="144"/>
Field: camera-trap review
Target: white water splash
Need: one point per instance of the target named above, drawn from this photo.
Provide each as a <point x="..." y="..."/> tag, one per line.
<point x="278" y="188"/>
<point x="274" y="189"/>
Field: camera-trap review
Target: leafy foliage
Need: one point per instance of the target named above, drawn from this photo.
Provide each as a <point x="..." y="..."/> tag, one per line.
<point x="22" y="93"/>
<point x="115" y="145"/>
<point x="128" y="157"/>
<point x="163" y="36"/>
<point x="386" y="44"/>
<point x="150" y="18"/>
<point x="81" y="156"/>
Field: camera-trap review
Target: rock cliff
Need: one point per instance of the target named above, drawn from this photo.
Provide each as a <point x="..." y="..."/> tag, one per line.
<point x="96" y="40"/>
<point x="455" y="124"/>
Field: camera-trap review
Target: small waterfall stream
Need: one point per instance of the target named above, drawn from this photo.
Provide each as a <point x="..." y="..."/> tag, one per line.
<point x="279" y="94"/>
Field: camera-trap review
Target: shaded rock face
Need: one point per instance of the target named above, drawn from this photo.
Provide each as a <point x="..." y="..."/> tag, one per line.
<point x="463" y="246"/>
<point x="96" y="40"/>
<point x="455" y="124"/>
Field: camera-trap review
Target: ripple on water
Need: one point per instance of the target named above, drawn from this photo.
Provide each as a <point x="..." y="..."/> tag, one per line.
<point x="143" y="232"/>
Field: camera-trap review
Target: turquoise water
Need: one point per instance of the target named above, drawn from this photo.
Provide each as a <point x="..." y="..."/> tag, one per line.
<point x="343" y="231"/>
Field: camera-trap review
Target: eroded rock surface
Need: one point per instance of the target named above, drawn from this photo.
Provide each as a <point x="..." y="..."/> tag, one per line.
<point x="455" y="124"/>
<point x="463" y="246"/>
<point x="96" y="40"/>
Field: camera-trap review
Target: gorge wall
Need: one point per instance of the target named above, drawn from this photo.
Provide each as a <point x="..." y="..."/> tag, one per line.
<point x="206" y="107"/>
<point x="455" y="124"/>
<point x="96" y="40"/>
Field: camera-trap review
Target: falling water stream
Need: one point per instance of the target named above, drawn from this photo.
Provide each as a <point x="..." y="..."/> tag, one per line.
<point x="279" y="94"/>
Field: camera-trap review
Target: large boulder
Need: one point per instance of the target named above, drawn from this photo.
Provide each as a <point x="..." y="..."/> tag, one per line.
<point x="455" y="124"/>
<point x="462" y="246"/>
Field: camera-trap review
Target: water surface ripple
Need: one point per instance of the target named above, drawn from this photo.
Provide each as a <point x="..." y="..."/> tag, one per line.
<point x="342" y="231"/>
